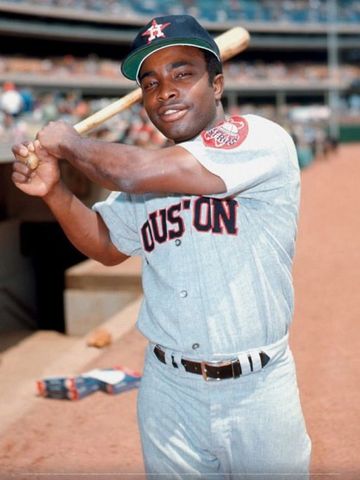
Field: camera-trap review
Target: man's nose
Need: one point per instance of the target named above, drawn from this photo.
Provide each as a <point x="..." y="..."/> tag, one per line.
<point x="167" y="92"/>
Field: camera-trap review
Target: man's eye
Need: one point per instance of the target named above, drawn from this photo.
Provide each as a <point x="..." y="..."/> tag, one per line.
<point x="182" y="75"/>
<point x="149" y="84"/>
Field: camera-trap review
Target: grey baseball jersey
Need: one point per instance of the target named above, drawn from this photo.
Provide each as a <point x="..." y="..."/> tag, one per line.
<point x="217" y="269"/>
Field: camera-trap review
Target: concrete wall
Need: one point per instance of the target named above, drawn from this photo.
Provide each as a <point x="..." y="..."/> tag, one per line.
<point x="17" y="305"/>
<point x="94" y="293"/>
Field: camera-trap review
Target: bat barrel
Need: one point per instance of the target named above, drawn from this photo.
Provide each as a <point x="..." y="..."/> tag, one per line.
<point x="232" y="42"/>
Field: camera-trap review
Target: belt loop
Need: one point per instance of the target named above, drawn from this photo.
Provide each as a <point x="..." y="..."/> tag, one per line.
<point x="256" y="361"/>
<point x="177" y="359"/>
<point x="168" y="359"/>
<point x="244" y="363"/>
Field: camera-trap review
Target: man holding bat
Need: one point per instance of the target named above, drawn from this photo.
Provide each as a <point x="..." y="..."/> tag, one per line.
<point x="213" y="216"/>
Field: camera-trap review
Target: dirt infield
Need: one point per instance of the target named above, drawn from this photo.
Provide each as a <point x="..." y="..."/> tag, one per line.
<point x="98" y="436"/>
<point x="325" y="335"/>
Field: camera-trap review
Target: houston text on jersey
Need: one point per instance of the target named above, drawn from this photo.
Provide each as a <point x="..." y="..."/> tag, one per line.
<point x="211" y="215"/>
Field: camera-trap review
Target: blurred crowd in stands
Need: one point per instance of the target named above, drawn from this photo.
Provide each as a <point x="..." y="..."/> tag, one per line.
<point x="299" y="11"/>
<point x="241" y="72"/>
<point x="22" y="113"/>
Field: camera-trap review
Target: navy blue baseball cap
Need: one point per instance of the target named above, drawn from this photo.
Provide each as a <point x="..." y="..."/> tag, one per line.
<point x="162" y="32"/>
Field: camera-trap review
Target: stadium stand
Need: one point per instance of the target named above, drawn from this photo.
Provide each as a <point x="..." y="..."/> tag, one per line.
<point x="284" y="75"/>
<point x="298" y="11"/>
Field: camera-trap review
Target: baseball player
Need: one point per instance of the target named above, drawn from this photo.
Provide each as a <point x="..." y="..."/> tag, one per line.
<point x="213" y="216"/>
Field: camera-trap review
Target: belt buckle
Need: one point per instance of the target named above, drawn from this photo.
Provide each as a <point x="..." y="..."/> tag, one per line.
<point x="203" y="366"/>
<point x="215" y="364"/>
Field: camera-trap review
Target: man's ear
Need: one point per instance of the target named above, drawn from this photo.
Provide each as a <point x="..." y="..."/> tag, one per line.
<point x="218" y="86"/>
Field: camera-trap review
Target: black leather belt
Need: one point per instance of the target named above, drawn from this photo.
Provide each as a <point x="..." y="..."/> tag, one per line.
<point x="216" y="370"/>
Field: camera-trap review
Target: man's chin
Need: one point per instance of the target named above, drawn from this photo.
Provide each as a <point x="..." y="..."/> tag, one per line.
<point x="180" y="136"/>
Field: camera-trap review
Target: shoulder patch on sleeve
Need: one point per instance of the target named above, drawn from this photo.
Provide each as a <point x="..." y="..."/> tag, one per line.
<point x="226" y="135"/>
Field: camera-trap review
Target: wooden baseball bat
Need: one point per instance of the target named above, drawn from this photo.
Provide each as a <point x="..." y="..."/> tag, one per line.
<point x="230" y="43"/>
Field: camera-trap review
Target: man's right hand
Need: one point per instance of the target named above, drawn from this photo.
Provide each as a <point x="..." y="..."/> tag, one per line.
<point x="37" y="182"/>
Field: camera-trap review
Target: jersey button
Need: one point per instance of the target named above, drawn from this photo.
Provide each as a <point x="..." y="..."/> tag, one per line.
<point x="183" y="293"/>
<point x="195" y="346"/>
<point x="177" y="242"/>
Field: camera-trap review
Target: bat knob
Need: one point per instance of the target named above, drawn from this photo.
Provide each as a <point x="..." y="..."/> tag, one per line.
<point x="31" y="160"/>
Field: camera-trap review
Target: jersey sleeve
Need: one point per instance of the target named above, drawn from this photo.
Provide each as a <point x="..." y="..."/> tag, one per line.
<point x="248" y="153"/>
<point x="119" y="215"/>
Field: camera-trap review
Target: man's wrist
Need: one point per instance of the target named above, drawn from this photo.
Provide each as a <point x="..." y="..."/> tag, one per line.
<point x="70" y="148"/>
<point x="56" y="192"/>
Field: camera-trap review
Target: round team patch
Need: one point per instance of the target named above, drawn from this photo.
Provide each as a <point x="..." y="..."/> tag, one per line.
<point x="227" y="134"/>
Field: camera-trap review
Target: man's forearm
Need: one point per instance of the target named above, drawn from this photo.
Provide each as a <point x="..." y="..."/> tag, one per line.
<point x="111" y="165"/>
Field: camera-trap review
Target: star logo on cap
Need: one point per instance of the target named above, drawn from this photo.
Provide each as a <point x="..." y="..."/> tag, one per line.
<point x="155" y="31"/>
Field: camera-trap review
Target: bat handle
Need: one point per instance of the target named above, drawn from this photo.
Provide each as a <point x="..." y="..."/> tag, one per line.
<point x="98" y="118"/>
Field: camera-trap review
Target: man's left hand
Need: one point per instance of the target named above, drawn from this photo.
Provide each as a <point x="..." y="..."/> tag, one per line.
<point x="56" y="136"/>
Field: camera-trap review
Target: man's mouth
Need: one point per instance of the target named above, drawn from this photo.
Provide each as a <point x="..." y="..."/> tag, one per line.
<point x="172" y="114"/>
